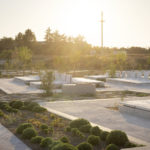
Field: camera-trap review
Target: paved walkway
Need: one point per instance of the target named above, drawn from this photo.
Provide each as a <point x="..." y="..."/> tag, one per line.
<point x="8" y="141"/>
<point x="96" y="112"/>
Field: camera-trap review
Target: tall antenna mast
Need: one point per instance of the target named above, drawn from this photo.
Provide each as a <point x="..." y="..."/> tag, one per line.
<point x="102" y="21"/>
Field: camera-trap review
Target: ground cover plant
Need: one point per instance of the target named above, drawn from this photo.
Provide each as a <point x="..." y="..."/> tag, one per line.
<point x="42" y="130"/>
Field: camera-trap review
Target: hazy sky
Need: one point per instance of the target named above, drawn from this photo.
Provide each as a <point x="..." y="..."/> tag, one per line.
<point x="127" y="22"/>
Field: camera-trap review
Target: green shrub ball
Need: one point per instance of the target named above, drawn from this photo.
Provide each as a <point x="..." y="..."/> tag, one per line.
<point x="23" y="126"/>
<point x="104" y="135"/>
<point x="95" y="131"/>
<point x="36" y="139"/>
<point x="16" y="104"/>
<point x="28" y="133"/>
<point x="46" y="142"/>
<point x="94" y="140"/>
<point x="39" y="109"/>
<point x="84" y="146"/>
<point x="112" y="147"/>
<point x="64" y="139"/>
<point x="64" y="146"/>
<point x="117" y="137"/>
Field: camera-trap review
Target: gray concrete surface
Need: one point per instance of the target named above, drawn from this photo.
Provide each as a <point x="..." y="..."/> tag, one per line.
<point x="9" y="141"/>
<point x="96" y="112"/>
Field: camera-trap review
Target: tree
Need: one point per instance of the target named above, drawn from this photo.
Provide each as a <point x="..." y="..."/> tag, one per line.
<point x="19" y="39"/>
<point x="48" y="36"/>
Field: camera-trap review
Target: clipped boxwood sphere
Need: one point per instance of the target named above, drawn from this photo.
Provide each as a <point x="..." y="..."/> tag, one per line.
<point x="64" y="146"/>
<point x="86" y="128"/>
<point x="84" y="146"/>
<point x="112" y="147"/>
<point x="23" y="126"/>
<point x="39" y="109"/>
<point x="46" y="142"/>
<point x="94" y="140"/>
<point x="95" y="131"/>
<point x="54" y="144"/>
<point x="117" y="137"/>
<point x="37" y="139"/>
<point x="104" y="135"/>
<point x="44" y="126"/>
<point x="28" y="133"/>
<point x="64" y="139"/>
<point x="78" y="123"/>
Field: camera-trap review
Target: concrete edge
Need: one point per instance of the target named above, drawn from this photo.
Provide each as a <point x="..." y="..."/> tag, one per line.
<point x="70" y="117"/>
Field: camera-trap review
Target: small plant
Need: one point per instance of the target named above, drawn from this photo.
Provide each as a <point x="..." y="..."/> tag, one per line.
<point x="64" y="139"/>
<point x="94" y="140"/>
<point x="39" y="109"/>
<point x="95" y="131"/>
<point x="67" y="129"/>
<point x="64" y="146"/>
<point x="112" y="147"/>
<point x="86" y="128"/>
<point x="16" y="104"/>
<point x="104" y="135"/>
<point x="1" y="113"/>
<point x="78" y="123"/>
<point x="84" y="146"/>
<point x="37" y="139"/>
<point x="76" y="132"/>
<point x="117" y="137"/>
<point x="35" y="122"/>
<point x="43" y="126"/>
<point x="30" y="105"/>
<point x="130" y="145"/>
<point x="46" y="142"/>
<point x="54" y="144"/>
<point x="23" y="126"/>
<point x="28" y="133"/>
<point x="52" y="116"/>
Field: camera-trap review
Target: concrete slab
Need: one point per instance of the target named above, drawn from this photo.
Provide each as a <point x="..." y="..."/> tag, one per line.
<point x="8" y="141"/>
<point x="97" y="112"/>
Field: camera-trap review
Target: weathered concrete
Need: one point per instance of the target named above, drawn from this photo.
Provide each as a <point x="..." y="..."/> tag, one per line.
<point x="8" y="141"/>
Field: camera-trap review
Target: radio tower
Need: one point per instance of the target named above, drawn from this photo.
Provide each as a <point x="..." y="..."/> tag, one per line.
<point x="102" y="21"/>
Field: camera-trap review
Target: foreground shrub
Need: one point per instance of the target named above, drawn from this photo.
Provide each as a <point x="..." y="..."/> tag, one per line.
<point x="28" y="133"/>
<point x="64" y="139"/>
<point x="39" y="109"/>
<point x="16" y="104"/>
<point x="23" y="126"/>
<point x="3" y="104"/>
<point x="117" y="137"/>
<point x="104" y="135"/>
<point x="44" y="126"/>
<point x="94" y="140"/>
<point x="37" y="139"/>
<point x="112" y="147"/>
<point x="46" y="142"/>
<point x="67" y="129"/>
<point x="30" y="105"/>
<point x="64" y="146"/>
<point x="84" y="146"/>
<point x="130" y="145"/>
<point x="54" y="144"/>
<point x="78" y="123"/>
<point x="86" y="128"/>
<point x="95" y="131"/>
<point x="1" y="113"/>
<point x="76" y="132"/>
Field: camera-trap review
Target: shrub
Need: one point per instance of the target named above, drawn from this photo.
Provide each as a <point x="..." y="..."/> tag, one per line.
<point x="23" y="126"/>
<point x="3" y="104"/>
<point x="37" y="139"/>
<point x="94" y="140"/>
<point x="84" y="146"/>
<point x="16" y="104"/>
<point x="46" y="142"/>
<point x="38" y="109"/>
<point x="129" y="145"/>
<point x="64" y="146"/>
<point x="68" y="129"/>
<point x="28" y="133"/>
<point x="44" y="126"/>
<point x="64" y="139"/>
<point x="1" y="113"/>
<point x="104" y="135"/>
<point x="54" y="144"/>
<point x="95" y="131"/>
<point x="30" y="105"/>
<point x="78" y="123"/>
<point x="76" y="132"/>
<point x="86" y="128"/>
<point x="117" y="137"/>
<point x="112" y="147"/>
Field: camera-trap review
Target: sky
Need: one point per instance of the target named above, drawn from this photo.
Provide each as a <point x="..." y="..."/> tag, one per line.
<point x="127" y="22"/>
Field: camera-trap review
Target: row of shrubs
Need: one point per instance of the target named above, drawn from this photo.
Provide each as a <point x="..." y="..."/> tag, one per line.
<point x="16" y="105"/>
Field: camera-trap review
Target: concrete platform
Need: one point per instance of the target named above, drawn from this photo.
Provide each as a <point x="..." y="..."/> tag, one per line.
<point x="84" y="80"/>
<point x="27" y="79"/>
<point x="129" y="82"/>
<point x="137" y="108"/>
